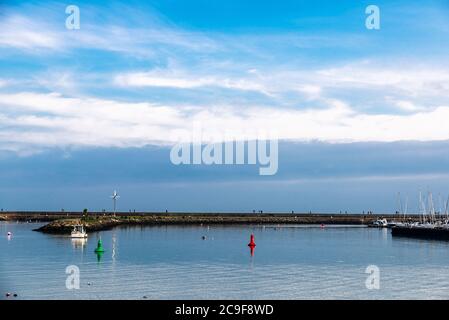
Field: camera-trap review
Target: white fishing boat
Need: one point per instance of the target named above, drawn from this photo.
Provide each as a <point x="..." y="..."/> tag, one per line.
<point x="78" y="232"/>
<point x="379" y="223"/>
<point x="392" y="224"/>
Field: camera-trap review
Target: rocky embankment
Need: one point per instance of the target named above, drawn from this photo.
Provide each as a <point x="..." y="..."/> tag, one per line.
<point x="102" y="222"/>
<point x="65" y="226"/>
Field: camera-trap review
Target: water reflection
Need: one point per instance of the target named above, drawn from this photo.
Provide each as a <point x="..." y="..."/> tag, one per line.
<point x="114" y="239"/>
<point x="164" y="263"/>
<point x="99" y="256"/>
<point x="251" y="251"/>
<point x="79" y="243"/>
<point x="385" y="234"/>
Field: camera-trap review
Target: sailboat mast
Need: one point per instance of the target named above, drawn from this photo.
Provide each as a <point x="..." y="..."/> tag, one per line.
<point x="446" y="209"/>
<point x="400" y="205"/>
<point x="431" y="208"/>
<point x="406" y="206"/>
<point x="422" y="207"/>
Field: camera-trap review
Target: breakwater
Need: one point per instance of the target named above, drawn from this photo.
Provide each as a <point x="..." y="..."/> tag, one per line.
<point x="62" y="222"/>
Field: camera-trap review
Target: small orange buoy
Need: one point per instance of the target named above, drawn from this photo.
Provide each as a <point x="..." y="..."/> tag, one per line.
<point x="251" y="243"/>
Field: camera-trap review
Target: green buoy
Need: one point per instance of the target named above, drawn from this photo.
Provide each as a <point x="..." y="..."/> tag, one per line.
<point x="99" y="247"/>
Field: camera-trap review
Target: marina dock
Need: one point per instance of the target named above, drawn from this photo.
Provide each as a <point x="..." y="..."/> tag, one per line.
<point x="423" y="232"/>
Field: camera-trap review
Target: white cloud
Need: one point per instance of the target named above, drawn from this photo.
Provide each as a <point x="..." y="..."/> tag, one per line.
<point x="154" y="79"/>
<point x="385" y="87"/>
<point x="307" y="101"/>
<point x="32" y="36"/>
<point x="34" y="121"/>
<point x="186" y="80"/>
<point x="408" y="106"/>
<point x="23" y="33"/>
<point x="412" y="80"/>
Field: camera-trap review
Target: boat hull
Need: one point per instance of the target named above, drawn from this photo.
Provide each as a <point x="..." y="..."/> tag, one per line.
<point x="421" y="232"/>
<point x="78" y="236"/>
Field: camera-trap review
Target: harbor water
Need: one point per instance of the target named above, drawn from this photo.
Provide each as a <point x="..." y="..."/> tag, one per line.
<point x="214" y="262"/>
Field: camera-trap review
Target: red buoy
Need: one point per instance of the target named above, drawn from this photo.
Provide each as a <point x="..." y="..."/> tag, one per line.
<point x="251" y="243"/>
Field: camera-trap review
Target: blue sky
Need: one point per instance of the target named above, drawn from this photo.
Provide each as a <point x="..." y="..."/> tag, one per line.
<point x="360" y="114"/>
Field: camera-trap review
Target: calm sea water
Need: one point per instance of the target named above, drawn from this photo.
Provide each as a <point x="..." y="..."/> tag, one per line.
<point x="289" y="262"/>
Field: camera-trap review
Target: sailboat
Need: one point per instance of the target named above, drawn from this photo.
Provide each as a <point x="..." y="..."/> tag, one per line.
<point x="402" y="211"/>
<point x="429" y="227"/>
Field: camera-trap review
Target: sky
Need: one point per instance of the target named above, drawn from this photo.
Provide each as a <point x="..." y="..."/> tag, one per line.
<point x="360" y="114"/>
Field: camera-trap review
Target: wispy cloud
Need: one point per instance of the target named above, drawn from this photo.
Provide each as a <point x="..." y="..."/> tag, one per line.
<point x="35" y="36"/>
<point x="130" y="82"/>
<point x="23" y="33"/>
<point x="33" y="120"/>
<point x="188" y="80"/>
<point x="367" y="83"/>
<point x="3" y="83"/>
